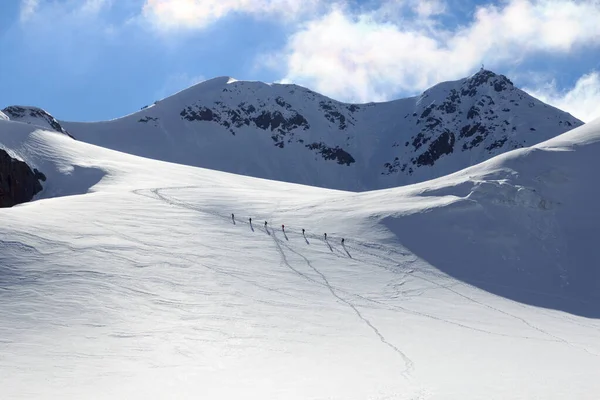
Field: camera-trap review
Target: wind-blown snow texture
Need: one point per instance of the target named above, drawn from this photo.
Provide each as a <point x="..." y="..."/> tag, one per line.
<point x="481" y="284"/>
<point x="289" y="133"/>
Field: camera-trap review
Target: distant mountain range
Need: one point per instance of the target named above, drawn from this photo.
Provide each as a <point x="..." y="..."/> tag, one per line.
<point x="290" y="133"/>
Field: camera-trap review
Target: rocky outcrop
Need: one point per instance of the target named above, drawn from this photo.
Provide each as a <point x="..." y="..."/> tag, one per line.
<point x="332" y="153"/>
<point x="18" y="183"/>
<point x="282" y="122"/>
<point x="336" y="116"/>
<point x="231" y="126"/>
<point x="35" y="116"/>
<point x="481" y="116"/>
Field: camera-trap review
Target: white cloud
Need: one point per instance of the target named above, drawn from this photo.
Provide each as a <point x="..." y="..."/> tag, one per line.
<point x="28" y="8"/>
<point x="366" y="57"/>
<point x="582" y="101"/>
<point x="197" y="14"/>
<point x="427" y="8"/>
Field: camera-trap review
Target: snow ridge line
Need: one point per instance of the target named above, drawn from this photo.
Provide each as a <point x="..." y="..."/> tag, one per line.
<point x="394" y="307"/>
<point x="214" y="269"/>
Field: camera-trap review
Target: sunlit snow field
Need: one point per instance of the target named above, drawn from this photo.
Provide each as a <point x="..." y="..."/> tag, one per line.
<point x="141" y="286"/>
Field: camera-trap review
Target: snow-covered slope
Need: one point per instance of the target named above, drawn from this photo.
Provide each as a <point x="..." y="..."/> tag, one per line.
<point x="480" y="285"/>
<point x="522" y="225"/>
<point x="289" y="133"/>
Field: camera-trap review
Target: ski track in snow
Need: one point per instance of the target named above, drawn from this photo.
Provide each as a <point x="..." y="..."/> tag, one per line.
<point x="204" y="265"/>
<point x="407" y="361"/>
<point x="524" y="321"/>
<point x="387" y="263"/>
<point x="108" y="294"/>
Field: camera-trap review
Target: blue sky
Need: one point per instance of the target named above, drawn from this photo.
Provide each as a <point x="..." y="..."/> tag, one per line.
<point x="99" y="59"/>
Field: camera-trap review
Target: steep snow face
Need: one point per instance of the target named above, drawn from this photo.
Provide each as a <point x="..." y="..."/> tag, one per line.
<point x="34" y="116"/>
<point x="290" y="133"/>
<point x="523" y="225"/>
<point x="143" y="286"/>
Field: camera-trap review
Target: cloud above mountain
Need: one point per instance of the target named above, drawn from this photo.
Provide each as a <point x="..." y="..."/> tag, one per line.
<point x="197" y="14"/>
<point x="367" y="55"/>
<point x="352" y="50"/>
<point x="583" y="100"/>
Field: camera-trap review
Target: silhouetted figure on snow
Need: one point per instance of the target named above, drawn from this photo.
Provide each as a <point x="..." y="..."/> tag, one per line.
<point x="282" y="227"/>
<point x="302" y="231"/>
<point x="233" y="218"/>
<point x="265" y="224"/>
<point x="325" y="236"/>
<point x="344" y="246"/>
<point x="250" y="219"/>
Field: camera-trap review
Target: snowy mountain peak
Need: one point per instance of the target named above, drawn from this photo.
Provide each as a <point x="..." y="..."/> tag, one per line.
<point x="213" y="83"/>
<point x="290" y="133"/>
<point x="485" y="77"/>
<point x="34" y="116"/>
<point x="205" y="87"/>
<point x="482" y="115"/>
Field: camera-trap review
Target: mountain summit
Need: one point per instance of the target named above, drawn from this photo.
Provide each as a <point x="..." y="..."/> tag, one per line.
<point x="290" y="133"/>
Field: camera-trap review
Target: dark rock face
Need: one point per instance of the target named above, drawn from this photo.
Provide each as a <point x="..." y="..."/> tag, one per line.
<point x="17" y="113"/>
<point x="444" y="144"/>
<point x="464" y="119"/>
<point x="484" y="77"/>
<point x="282" y="123"/>
<point x="332" y="153"/>
<point x="18" y="183"/>
<point x="147" y="119"/>
<point x="419" y="140"/>
<point x="154" y="121"/>
<point x="199" y="114"/>
<point x="335" y="116"/>
<point x="393" y="167"/>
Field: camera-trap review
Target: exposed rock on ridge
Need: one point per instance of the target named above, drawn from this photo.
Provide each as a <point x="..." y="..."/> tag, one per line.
<point x="18" y="183"/>
<point x="34" y="116"/>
